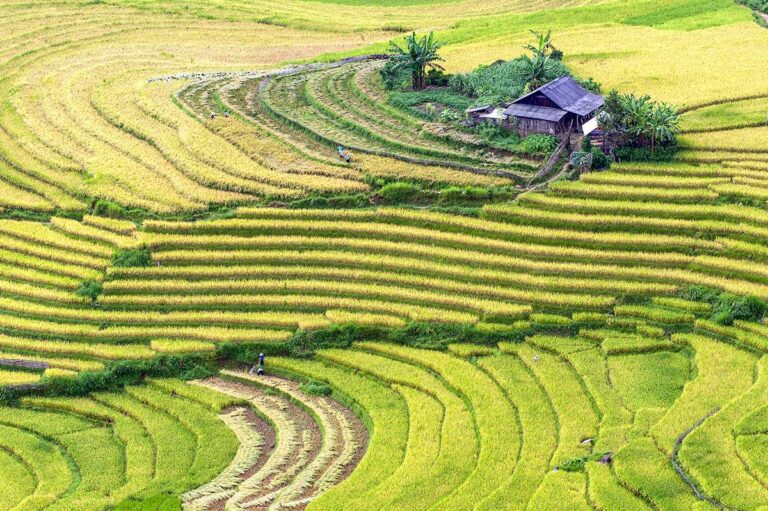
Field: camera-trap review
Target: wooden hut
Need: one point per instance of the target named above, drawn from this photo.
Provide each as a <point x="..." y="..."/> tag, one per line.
<point x="474" y="115"/>
<point x="558" y="107"/>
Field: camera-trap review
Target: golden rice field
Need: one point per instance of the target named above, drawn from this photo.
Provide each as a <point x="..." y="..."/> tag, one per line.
<point x="541" y="353"/>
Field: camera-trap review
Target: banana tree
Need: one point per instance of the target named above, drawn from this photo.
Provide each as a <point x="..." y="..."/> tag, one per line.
<point x="418" y="55"/>
<point x="662" y="125"/>
<point x="538" y="64"/>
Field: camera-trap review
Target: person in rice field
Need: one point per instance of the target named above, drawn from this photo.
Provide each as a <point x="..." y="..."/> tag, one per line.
<point x="259" y="369"/>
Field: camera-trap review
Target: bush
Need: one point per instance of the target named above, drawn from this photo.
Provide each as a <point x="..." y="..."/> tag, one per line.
<point x="345" y="200"/>
<point x="305" y="342"/>
<point x="8" y="397"/>
<point x="160" y="502"/>
<point x="449" y="115"/>
<point x="394" y="78"/>
<point x="661" y="154"/>
<point x="540" y="143"/>
<point x="120" y="374"/>
<point x="501" y="81"/>
<point x="399" y="191"/>
<point x="727" y="307"/>
<point x="109" y="209"/>
<point x="438" y="336"/>
<point x="577" y="464"/>
<point x="599" y="159"/>
<point x="730" y="307"/>
<point x="410" y="101"/>
<point x="89" y="289"/>
<point x="316" y="388"/>
<point x="758" y="5"/>
<point x="701" y="294"/>
<point x="437" y="78"/>
<point x="198" y="372"/>
<point x="137" y="257"/>
<point x="454" y="194"/>
<point x="590" y="84"/>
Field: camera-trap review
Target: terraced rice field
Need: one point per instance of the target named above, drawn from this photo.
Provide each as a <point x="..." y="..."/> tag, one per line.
<point x="217" y="441"/>
<point x="556" y="399"/>
<point x="594" y="386"/>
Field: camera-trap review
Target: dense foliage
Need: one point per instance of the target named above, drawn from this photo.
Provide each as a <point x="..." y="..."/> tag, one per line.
<point x="417" y="57"/>
<point x="631" y="124"/>
<point x="131" y="258"/>
<point x="758" y="5"/>
<point x="502" y="81"/>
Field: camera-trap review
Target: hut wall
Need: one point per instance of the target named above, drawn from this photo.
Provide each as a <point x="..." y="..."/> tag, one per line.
<point x="533" y="126"/>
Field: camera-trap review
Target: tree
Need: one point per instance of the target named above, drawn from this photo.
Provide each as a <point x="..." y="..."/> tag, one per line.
<point x="539" y="64"/>
<point x="636" y="121"/>
<point x="637" y="114"/>
<point x="417" y="56"/>
<point x="544" y="47"/>
<point x="663" y="124"/>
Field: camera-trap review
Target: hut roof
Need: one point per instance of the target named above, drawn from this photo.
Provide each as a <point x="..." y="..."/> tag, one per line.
<point x="497" y="113"/>
<point x="543" y="113"/>
<point x="566" y="93"/>
<point x="476" y="109"/>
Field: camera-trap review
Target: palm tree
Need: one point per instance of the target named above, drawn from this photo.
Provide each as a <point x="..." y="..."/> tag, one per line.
<point x="662" y="124"/>
<point x="416" y="57"/>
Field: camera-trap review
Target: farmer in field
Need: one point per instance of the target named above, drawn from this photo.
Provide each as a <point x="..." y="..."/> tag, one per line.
<point x="260" y="368"/>
<point x="343" y="154"/>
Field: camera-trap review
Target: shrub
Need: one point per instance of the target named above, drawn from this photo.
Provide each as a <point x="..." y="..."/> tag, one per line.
<point x="661" y="153"/>
<point x="639" y="127"/>
<point x="130" y="258"/>
<point x="342" y="201"/>
<point x="89" y="289"/>
<point x="437" y="78"/>
<point x="464" y="194"/>
<point x="8" y="397"/>
<point x="198" y="372"/>
<point x="316" y="388"/>
<point x="501" y="82"/>
<point x="393" y="77"/>
<point x="120" y="374"/>
<point x="727" y="307"/>
<point x="305" y="342"/>
<point x="109" y="209"/>
<point x="449" y="115"/>
<point x="590" y="84"/>
<point x="701" y="294"/>
<point x="411" y="101"/>
<point x="159" y="502"/>
<point x="730" y="307"/>
<point x="540" y="143"/>
<point x="599" y="159"/>
<point x="758" y="5"/>
<point x="399" y="191"/>
<point x="577" y="464"/>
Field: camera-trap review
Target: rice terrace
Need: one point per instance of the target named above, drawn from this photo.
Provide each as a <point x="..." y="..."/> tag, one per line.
<point x="406" y="255"/>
